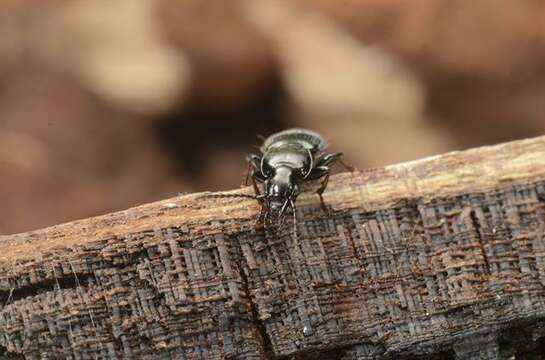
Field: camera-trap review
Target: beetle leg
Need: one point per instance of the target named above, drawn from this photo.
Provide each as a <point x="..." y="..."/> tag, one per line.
<point x="332" y="158"/>
<point x="247" y="175"/>
<point x="294" y="210"/>
<point x="254" y="165"/>
<point x="329" y="159"/>
<point x="346" y="165"/>
<point x="318" y="172"/>
<point x="322" y="188"/>
<point x="256" y="188"/>
<point x="254" y="162"/>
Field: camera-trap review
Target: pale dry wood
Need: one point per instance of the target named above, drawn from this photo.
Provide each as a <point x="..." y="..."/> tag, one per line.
<point x="438" y="257"/>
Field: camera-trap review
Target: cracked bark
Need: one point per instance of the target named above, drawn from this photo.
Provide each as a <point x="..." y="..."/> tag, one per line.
<point x="440" y="258"/>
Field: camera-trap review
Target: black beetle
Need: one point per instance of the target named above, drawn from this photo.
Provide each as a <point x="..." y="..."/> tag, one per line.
<point x="287" y="159"/>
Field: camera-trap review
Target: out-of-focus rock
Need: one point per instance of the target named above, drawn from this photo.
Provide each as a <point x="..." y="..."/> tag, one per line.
<point x="232" y="62"/>
<point x="65" y="155"/>
<point x="481" y="61"/>
<point x="360" y="96"/>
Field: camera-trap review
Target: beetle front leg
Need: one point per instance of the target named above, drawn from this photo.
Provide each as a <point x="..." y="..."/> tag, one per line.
<point x="246" y="175"/>
<point x="256" y="188"/>
<point x="318" y="172"/>
<point x="257" y="176"/>
<point x="253" y="164"/>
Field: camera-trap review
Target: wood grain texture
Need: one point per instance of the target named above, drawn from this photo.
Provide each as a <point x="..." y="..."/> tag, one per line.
<point x="440" y="258"/>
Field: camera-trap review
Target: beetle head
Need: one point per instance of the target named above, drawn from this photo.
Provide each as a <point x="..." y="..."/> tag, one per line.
<point x="282" y="190"/>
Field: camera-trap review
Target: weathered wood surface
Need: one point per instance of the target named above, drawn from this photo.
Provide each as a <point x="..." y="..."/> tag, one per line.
<point x="442" y="257"/>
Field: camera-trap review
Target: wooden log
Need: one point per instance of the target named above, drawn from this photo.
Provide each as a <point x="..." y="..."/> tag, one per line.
<point x="441" y="258"/>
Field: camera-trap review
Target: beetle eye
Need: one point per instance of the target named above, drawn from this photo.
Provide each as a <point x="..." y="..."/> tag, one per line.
<point x="266" y="169"/>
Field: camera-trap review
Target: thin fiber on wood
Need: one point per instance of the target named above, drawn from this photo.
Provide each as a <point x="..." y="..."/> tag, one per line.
<point x="440" y="258"/>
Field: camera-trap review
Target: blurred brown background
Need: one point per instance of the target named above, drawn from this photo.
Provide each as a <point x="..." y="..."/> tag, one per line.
<point x="106" y="104"/>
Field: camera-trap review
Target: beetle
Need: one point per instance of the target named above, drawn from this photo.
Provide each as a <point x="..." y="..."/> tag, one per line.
<point x="288" y="159"/>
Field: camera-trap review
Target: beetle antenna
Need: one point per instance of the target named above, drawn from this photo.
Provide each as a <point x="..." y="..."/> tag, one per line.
<point x="294" y="210"/>
<point x="266" y="217"/>
<point x="284" y="207"/>
<point x="282" y="211"/>
<point x="246" y="196"/>
<point x="268" y="220"/>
